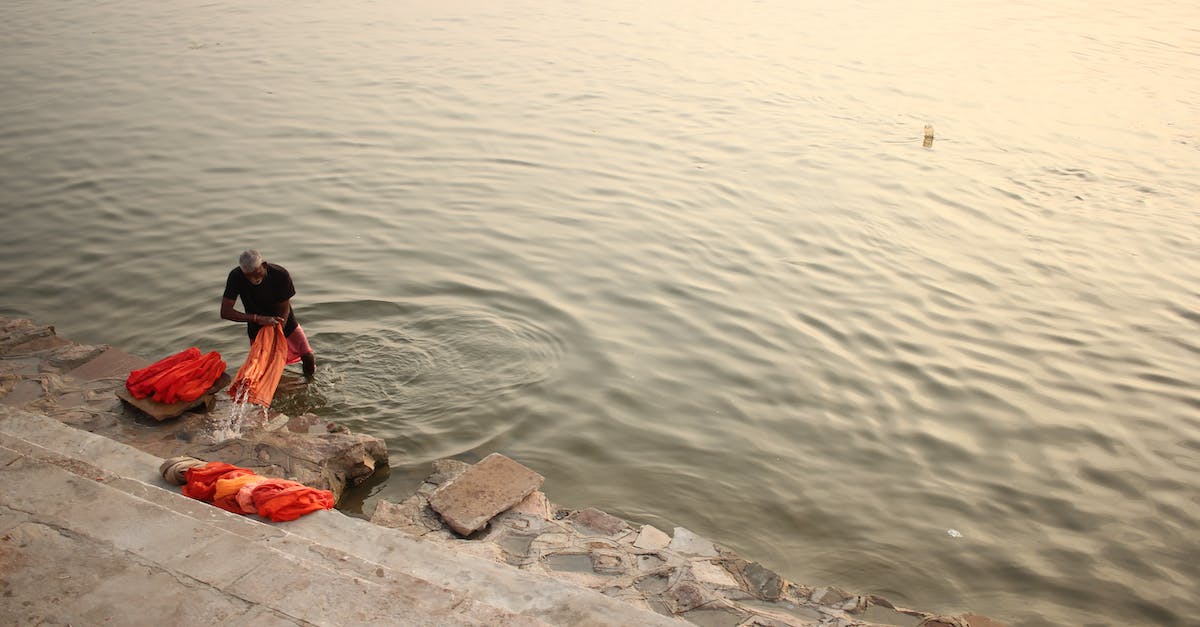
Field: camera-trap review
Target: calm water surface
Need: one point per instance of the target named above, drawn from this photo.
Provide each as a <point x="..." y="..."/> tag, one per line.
<point x="690" y="261"/>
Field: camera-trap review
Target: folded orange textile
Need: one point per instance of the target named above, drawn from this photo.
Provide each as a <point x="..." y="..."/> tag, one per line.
<point x="190" y="380"/>
<point x="139" y="382"/>
<point x="259" y="375"/>
<point x="202" y="480"/>
<point x="245" y="495"/>
<point x="228" y="488"/>
<point x="241" y="491"/>
<point x="294" y="502"/>
<point x="265" y="491"/>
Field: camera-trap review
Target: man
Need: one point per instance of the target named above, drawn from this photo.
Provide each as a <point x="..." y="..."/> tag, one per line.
<point x="266" y="291"/>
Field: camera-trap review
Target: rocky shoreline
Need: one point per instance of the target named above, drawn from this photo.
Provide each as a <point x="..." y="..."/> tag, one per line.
<point x="491" y="510"/>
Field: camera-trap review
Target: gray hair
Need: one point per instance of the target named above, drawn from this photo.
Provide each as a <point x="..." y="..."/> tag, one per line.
<point x="250" y="260"/>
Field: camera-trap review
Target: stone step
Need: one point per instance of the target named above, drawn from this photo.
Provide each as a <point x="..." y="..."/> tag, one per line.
<point x="326" y="568"/>
<point x="93" y="512"/>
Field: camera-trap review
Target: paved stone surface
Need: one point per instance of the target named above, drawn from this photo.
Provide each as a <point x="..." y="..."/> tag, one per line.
<point x="81" y="544"/>
<point x="493" y="485"/>
<point x="112" y="363"/>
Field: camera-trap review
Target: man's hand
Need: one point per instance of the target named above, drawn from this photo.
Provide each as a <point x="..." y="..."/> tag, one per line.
<point x="266" y="321"/>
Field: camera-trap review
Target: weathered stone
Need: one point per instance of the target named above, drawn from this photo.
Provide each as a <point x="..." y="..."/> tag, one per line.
<point x="446" y="470"/>
<point x="650" y="538"/>
<point x="609" y="562"/>
<point x="976" y="620"/>
<point x="330" y="461"/>
<point x="489" y="487"/>
<point x="648" y="563"/>
<point x="19" y="336"/>
<point x="684" y="597"/>
<point x="70" y="355"/>
<point x="23" y="393"/>
<point x="829" y="595"/>
<point x="688" y="543"/>
<point x="943" y="621"/>
<point x="712" y="574"/>
<point x="764" y="584"/>
<point x="308" y="423"/>
<point x="536" y="504"/>
<point x="594" y="519"/>
<point x="112" y="363"/>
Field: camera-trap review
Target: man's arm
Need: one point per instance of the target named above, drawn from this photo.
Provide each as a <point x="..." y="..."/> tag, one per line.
<point x="229" y="313"/>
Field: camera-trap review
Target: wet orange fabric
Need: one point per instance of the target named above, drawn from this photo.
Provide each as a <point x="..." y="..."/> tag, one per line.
<point x="241" y="491"/>
<point x="294" y="502"/>
<point x="202" y="480"/>
<point x="227" y="489"/>
<point x="269" y="489"/>
<point x="182" y="377"/>
<point x="259" y="376"/>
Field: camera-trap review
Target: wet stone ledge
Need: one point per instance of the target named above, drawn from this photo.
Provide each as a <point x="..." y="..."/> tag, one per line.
<point x="679" y="574"/>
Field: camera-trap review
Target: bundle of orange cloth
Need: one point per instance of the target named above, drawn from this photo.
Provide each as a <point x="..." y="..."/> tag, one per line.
<point x="241" y="491"/>
<point x="182" y="377"/>
<point x="257" y="379"/>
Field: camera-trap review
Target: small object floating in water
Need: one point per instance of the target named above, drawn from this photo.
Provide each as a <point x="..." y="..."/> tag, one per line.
<point x="928" y="136"/>
<point x="953" y="533"/>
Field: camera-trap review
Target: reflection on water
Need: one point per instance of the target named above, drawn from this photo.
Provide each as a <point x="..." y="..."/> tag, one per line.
<point x="686" y="261"/>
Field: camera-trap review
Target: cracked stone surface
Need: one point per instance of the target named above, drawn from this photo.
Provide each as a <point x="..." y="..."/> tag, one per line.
<point x="685" y="576"/>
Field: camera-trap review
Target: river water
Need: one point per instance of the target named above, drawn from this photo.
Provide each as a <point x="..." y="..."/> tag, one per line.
<point x="690" y="261"/>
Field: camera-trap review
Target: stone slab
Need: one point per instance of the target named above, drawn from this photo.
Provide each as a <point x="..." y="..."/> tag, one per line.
<point x="485" y="489"/>
<point x="23" y="393"/>
<point x="712" y="574"/>
<point x="165" y="411"/>
<point x="650" y="538"/>
<point x="598" y="521"/>
<point x="688" y="543"/>
<point x="112" y="363"/>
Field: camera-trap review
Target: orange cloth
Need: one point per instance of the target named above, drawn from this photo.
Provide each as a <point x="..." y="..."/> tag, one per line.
<point x="241" y="491"/>
<point x="259" y="376"/>
<point x="227" y="489"/>
<point x="184" y="376"/>
<point x="294" y="502"/>
<point x="202" y="480"/>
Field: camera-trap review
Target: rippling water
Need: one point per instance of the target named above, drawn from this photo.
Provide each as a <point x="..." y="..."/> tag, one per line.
<point x="689" y="261"/>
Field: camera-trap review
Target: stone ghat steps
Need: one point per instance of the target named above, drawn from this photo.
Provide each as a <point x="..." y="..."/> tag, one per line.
<point x="90" y="534"/>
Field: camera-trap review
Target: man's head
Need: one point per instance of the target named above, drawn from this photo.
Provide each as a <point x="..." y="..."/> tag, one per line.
<point x="252" y="265"/>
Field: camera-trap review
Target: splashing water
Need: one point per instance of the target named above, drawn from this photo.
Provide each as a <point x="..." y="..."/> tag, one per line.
<point x="231" y="426"/>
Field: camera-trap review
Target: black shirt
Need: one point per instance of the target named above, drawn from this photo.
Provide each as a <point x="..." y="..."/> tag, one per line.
<point x="262" y="299"/>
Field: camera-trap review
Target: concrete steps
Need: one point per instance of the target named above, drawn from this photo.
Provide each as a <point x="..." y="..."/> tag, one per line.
<point x="89" y="533"/>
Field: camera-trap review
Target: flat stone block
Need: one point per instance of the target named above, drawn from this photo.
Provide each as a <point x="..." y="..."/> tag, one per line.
<point x="23" y="393"/>
<point x="651" y="539"/>
<point x="594" y="519"/>
<point x="688" y="543"/>
<point x="713" y="575"/>
<point x="112" y="363"/>
<point x="489" y="487"/>
<point x="536" y="504"/>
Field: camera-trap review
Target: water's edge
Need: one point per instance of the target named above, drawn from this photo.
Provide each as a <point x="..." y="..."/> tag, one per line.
<point x="685" y="576"/>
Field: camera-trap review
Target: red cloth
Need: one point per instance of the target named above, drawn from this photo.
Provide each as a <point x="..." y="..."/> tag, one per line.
<point x="184" y="376"/>
<point x="241" y="491"/>
<point x="294" y="502"/>
<point x="202" y="480"/>
<point x="228" y="488"/>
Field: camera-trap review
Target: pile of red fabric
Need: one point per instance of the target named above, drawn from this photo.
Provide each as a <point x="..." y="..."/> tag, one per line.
<point x="182" y="377"/>
<point x="257" y="379"/>
<point x="241" y="491"/>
